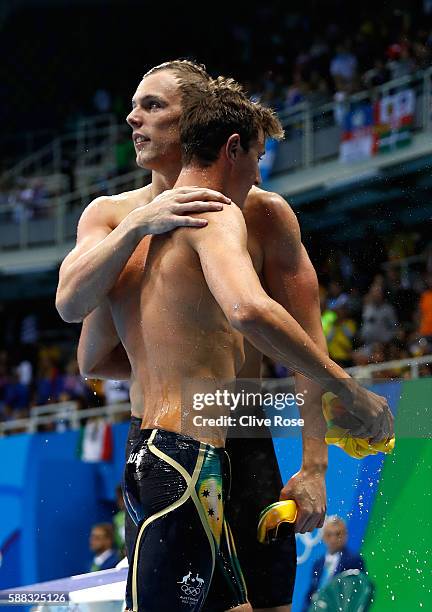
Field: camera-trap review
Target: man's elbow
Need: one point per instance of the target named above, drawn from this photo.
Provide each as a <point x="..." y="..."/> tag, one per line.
<point x="87" y="373"/>
<point x="66" y="309"/>
<point x="247" y="317"/>
<point x="84" y="365"/>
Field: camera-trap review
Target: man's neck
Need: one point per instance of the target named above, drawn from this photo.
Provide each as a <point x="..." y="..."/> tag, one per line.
<point x="163" y="181"/>
<point x="210" y="178"/>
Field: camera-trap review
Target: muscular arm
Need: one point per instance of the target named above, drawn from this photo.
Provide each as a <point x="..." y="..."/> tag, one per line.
<point x="91" y="269"/>
<point x="291" y="280"/>
<point x="228" y="269"/>
<point x="234" y="283"/>
<point x="100" y="352"/>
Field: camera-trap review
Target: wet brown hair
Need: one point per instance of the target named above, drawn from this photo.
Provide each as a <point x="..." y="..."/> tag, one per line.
<point x="216" y="109"/>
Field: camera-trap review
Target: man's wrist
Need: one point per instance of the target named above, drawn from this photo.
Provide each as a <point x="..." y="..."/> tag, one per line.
<point x="344" y="388"/>
<point x="314" y="468"/>
<point x="134" y="230"/>
<point x="315" y="455"/>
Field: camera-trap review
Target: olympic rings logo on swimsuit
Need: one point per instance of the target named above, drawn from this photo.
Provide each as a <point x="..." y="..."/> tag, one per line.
<point x="190" y="590"/>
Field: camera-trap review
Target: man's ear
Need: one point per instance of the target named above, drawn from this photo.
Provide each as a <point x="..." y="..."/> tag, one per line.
<point x="232" y="147"/>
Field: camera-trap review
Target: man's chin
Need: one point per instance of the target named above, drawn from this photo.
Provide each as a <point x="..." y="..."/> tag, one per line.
<point x="146" y="163"/>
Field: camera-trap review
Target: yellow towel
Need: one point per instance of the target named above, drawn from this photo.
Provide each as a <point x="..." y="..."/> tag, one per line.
<point x="355" y="447"/>
<point x="272" y="516"/>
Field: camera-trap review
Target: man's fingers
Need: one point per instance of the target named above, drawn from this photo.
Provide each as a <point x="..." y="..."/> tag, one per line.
<point x="348" y="421"/>
<point x="182" y="221"/>
<point x="198" y="206"/>
<point x="300" y="522"/>
<point x="379" y="428"/>
<point x="362" y="431"/>
<point x="366" y="431"/>
<point x="308" y="521"/>
<point x="311" y="523"/>
<point x="386" y="431"/>
<point x="202" y="194"/>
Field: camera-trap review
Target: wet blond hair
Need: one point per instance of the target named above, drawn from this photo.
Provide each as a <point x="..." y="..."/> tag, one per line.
<point x="184" y="69"/>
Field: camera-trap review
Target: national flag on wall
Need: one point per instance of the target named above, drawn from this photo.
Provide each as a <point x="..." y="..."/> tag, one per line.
<point x="357" y="141"/>
<point x="96" y="442"/>
<point x="394" y="118"/>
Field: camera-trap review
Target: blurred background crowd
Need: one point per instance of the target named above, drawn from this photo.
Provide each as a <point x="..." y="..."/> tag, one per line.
<point x="376" y="299"/>
<point x="307" y="55"/>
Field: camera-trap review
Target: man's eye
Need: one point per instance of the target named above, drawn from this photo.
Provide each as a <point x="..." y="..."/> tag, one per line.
<point x="154" y="105"/>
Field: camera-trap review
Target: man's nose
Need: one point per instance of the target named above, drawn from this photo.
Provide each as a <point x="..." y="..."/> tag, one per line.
<point x="134" y="118"/>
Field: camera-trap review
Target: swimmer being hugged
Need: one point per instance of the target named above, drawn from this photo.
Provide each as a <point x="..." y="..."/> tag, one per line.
<point x="201" y="297"/>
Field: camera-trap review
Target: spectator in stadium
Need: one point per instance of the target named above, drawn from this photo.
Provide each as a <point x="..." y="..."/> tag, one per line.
<point x="400" y="63"/>
<point x="16" y="398"/>
<point x="25" y="372"/>
<point x="340" y="332"/>
<point x="377" y="75"/>
<point x="102" y="545"/>
<point x="49" y="383"/>
<point x="334" y="292"/>
<point x="295" y="93"/>
<point x="378" y="318"/>
<point x="337" y="559"/>
<point x="318" y="92"/>
<point x="343" y="68"/>
<point x="393" y="351"/>
<point x="400" y="294"/>
<point x="73" y="386"/>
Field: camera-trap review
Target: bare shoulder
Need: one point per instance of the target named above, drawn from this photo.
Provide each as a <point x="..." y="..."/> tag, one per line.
<point x="271" y="211"/>
<point x="230" y="213"/>
<point x="264" y="202"/>
<point x="133" y="198"/>
<point x="227" y="222"/>
<point x="111" y="210"/>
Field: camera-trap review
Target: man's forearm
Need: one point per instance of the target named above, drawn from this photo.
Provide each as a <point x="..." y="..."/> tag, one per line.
<point x="86" y="281"/>
<point x="114" y="366"/>
<point x="100" y="352"/>
<point x="315" y="451"/>
<point x="277" y="334"/>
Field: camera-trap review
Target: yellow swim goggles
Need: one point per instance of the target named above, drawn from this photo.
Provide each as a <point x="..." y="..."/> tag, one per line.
<point x="272" y="516"/>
